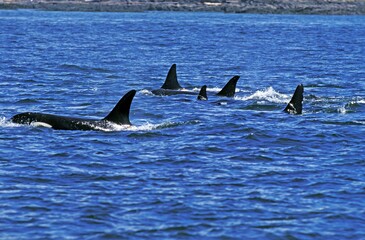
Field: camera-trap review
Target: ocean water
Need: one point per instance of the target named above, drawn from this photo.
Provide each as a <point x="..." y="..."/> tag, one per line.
<point x="219" y="169"/>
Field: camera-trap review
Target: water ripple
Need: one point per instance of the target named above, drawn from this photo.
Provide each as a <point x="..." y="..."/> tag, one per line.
<point x="226" y="168"/>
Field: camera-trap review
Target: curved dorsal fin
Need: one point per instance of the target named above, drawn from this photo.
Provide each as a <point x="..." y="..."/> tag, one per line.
<point x="203" y="93"/>
<point x="171" y="79"/>
<point x="296" y="103"/>
<point x="230" y="88"/>
<point x="120" y="113"/>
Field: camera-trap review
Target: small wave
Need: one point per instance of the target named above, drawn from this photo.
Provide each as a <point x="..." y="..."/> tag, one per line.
<point x="323" y="85"/>
<point x="72" y="67"/>
<point x="346" y="123"/>
<point x="269" y="94"/>
<point x="27" y="100"/>
<point x="84" y="68"/>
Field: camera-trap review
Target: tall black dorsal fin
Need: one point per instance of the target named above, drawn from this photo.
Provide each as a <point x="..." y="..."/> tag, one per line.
<point x="230" y="88"/>
<point x="171" y="79"/>
<point x="203" y="93"/>
<point x="296" y="102"/>
<point x="120" y="113"/>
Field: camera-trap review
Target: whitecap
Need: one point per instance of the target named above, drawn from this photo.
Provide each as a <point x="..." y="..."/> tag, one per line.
<point x="269" y="94"/>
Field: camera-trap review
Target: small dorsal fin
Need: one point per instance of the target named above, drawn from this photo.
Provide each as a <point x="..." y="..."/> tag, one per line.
<point x="296" y="102"/>
<point x="171" y="79"/>
<point x="120" y="113"/>
<point x="230" y="88"/>
<point x="203" y="93"/>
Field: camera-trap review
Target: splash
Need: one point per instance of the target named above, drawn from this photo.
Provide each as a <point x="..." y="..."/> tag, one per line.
<point x="133" y="128"/>
<point x="146" y="127"/>
<point x="269" y="94"/>
<point x="146" y="92"/>
<point x="215" y="89"/>
<point x="342" y="110"/>
<point x="351" y="106"/>
<point x="7" y="123"/>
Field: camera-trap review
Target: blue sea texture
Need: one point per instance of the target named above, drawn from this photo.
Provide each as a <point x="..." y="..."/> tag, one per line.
<point x="226" y="168"/>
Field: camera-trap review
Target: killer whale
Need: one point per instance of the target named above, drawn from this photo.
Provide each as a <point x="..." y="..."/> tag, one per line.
<point x="229" y="89"/>
<point x="119" y="115"/>
<point x="171" y="86"/>
<point x="295" y="106"/>
<point x="203" y="93"/>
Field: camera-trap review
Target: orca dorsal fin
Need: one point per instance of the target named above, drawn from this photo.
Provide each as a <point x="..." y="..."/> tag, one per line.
<point x="171" y="79"/>
<point x="120" y="113"/>
<point x="203" y="93"/>
<point x="230" y="88"/>
<point x="296" y="102"/>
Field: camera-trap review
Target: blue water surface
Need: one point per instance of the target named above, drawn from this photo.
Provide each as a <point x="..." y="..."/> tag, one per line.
<point x="220" y="169"/>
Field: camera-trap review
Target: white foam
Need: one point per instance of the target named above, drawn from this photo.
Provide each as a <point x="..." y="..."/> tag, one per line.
<point x="216" y="89"/>
<point x="146" y="92"/>
<point x="196" y="89"/>
<point x="269" y="94"/>
<point x="342" y="110"/>
<point x="7" y="123"/>
<point x="185" y="90"/>
<point x="132" y="128"/>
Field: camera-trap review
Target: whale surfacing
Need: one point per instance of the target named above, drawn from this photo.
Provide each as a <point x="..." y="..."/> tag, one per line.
<point x="171" y="86"/>
<point x="296" y="103"/>
<point x="203" y="93"/>
<point x="119" y="115"/>
<point x="229" y="90"/>
<point x="171" y="79"/>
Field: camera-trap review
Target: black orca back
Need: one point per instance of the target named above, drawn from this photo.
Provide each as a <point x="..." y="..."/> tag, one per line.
<point x="120" y="113"/>
<point x="203" y="93"/>
<point x="171" y="79"/>
<point x="296" y="103"/>
<point x="230" y="88"/>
